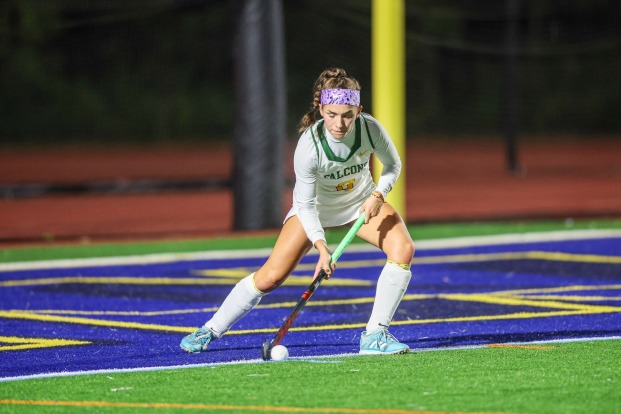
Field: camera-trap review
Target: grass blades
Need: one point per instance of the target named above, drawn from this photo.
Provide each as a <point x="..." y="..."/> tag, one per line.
<point x="578" y="377"/>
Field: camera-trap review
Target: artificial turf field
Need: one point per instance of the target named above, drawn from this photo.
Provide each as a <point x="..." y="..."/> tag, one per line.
<point x="531" y="327"/>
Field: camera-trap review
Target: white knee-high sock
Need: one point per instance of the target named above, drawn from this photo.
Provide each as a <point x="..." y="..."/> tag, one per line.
<point x="391" y="286"/>
<point x="242" y="299"/>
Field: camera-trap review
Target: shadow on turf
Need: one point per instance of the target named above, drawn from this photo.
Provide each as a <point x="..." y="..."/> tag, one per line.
<point x="451" y="341"/>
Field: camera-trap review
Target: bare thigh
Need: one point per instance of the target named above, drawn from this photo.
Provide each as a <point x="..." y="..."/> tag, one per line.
<point x="388" y="232"/>
<point x="290" y="248"/>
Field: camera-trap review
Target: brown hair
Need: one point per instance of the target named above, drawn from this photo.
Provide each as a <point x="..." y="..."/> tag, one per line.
<point x="329" y="79"/>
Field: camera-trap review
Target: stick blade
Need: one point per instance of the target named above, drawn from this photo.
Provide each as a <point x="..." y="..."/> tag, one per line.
<point x="266" y="350"/>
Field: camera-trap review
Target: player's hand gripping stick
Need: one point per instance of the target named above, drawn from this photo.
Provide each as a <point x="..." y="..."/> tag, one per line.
<point x="267" y="344"/>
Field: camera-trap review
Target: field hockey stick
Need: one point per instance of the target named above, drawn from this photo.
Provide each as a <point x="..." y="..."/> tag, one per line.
<point x="266" y="351"/>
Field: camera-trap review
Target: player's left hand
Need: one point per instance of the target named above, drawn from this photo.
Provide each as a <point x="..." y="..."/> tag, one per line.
<point x="324" y="261"/>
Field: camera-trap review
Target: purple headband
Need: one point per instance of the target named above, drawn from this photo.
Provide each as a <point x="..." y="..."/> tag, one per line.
<point x="340" y="97"/>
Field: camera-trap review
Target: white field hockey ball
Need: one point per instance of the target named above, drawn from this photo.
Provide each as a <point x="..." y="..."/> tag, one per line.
<point x="279" y="352"/>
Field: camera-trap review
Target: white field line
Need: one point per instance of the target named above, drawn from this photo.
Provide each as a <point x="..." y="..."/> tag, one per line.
<point x="455" y="242"/>
<point x="309" y="359"/>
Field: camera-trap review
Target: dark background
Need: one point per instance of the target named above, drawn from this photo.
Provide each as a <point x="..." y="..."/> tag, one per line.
<point x="117" y="117"/>
<point x="161" y="71"/>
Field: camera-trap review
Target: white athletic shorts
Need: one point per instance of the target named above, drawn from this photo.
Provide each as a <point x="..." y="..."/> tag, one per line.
<point x="333" y="217"/>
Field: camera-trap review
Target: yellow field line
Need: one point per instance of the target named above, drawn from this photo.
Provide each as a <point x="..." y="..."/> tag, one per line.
<point x="168" y="328"/>
<point x="219" y="407"/>
<point x="455" y="258"/>
<point x="536" y="255"/>
<point x="19" y="343"/>
<point x="573" y="288"/>
<point x="119" y="313"/>
<point x="354" y="301"/>
<point x="500" y="297"/>
<point x="573" y="257"/>
<point x="181" y="329"/>
<point x="568" y="309"/>
<point x="517" y="301"/>
<point x="235" y="272"/>
<point x="544" y="347"/>
<point x="573" y="298"/>
<point x="185" y="311"/>
<point x="123" y="280"/>
<point x="91" y="322"/>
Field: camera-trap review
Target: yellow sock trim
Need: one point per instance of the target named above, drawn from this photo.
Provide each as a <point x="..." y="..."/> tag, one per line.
<point x="254" y="285"/>
<point x="404" y="266"/>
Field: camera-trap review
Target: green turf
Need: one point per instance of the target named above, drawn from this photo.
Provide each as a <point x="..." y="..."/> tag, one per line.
<point x="419" y="232"/>
<point x="580" y="377"/>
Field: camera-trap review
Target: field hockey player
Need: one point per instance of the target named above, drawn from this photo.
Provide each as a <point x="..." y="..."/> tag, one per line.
<point x="333" y="187"/>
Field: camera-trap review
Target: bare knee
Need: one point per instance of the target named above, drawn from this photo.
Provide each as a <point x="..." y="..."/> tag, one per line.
<point x="267" y="278"/>
<point x="401" y="252"/>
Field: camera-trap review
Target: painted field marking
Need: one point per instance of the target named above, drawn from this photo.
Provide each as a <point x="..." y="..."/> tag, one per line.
<point x="277" y="305"/>
<point x="498" y="297"/>
<point x="181" y="329"/>
<point x="518" y="346"/>
<point x="118" y="313"/>
<point x="522" y="294"/>
<point x="20" y="343"/>
<point x="163" y="281"/>
<point x="572" y="288"/>
<point x="532" y="255"/>
<point x="218" y="407"/>
<point x="517" y="301"/>
<point x="572" y="298"/>
<point x="92" y="322"/>
<point x="229" y="276"/>
<point x="300" y="280"/>
<point x="286" y="305"/>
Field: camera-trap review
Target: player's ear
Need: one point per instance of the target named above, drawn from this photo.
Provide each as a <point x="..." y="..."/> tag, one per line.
<point x="359" y="110"/>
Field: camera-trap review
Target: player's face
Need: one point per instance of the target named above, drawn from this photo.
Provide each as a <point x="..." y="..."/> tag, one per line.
<point x="339" y="119"/>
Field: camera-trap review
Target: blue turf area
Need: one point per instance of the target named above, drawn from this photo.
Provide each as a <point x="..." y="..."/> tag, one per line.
<point x="109" y="316"/>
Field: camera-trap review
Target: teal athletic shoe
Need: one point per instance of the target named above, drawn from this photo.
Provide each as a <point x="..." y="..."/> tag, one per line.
<point x="381" y="342"/>
<point x="197" y="341"/>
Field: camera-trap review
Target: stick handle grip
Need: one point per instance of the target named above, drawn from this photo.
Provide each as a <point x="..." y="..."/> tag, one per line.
<point x="338" y="251"/>
<point x="348" y="238"/>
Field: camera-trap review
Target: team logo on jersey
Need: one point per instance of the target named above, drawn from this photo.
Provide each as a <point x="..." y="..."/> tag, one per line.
<point x="346" y="185"/>
<point x="354" y="169"/>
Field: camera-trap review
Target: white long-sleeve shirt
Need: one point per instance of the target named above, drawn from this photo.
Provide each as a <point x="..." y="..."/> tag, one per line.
<point x="333" y="178"/>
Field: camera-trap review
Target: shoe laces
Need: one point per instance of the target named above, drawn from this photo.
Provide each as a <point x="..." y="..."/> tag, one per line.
<point x="203" y="335"/>
<point x="389" y="337"/>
